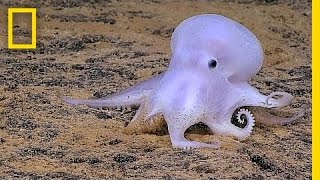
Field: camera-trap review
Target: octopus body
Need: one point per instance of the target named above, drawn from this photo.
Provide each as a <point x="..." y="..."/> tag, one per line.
<point x="213" y="59"/>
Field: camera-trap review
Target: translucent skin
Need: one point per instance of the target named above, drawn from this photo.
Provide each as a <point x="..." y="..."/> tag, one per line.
<point x="190" y="91"/>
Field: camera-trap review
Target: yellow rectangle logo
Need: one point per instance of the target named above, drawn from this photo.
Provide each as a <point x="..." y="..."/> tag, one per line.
<point x="33" y="44"/>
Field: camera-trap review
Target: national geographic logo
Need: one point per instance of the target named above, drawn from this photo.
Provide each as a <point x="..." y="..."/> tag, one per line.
<point x="21" y="11"/>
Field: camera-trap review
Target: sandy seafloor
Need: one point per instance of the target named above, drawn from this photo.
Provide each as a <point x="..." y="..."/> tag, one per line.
<point x="95" y="48"/>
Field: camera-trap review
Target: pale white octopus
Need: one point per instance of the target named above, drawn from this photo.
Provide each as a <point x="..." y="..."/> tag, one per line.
<point x="207" y="81"/>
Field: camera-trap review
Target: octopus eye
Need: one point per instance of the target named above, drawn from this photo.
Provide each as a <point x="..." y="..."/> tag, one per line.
<point x="212" y="63"/>
<point x="241" y="117"/>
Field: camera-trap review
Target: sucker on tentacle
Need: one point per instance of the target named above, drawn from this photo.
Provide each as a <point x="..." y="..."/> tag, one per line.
<point x="241" y="117"/>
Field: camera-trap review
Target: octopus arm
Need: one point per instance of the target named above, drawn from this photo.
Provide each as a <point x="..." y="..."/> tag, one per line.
<point x="148" y="84"/>
<point x="259" y="102"/>
<point x="124" y="100"/>
<point x="134" y="95"/>
<point x="252" y="97"/>
<point x="263" y="116"/>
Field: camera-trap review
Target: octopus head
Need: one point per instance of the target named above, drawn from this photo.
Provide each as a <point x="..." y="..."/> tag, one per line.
<point x="215" y="41"/>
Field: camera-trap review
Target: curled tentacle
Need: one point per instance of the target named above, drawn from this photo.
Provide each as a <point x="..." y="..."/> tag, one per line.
<point x="252" y="97"/>
<point x="242" y="117"/>
<point x="239" y="124"/>
<point x="243" y="120"/>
